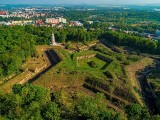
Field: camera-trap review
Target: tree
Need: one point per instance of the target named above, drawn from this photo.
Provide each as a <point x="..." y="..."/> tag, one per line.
<point x="136" y="112"/>
<point x="94" y="108"/>
<point x="51" y="112"/>
<point x="17" y="88"/>
<point x="156" y="117"/>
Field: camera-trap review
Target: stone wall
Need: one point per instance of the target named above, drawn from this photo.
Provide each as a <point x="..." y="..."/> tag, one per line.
<point x="3" y="80"/>
<point x="86" y="56"/>
<point x="32" y="74"/>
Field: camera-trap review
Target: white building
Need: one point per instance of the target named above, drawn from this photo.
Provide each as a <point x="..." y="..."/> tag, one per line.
<point x="56" y="20"/>
<point x="5" y="23"/>
<point x="4" y="16"/>
<point x="76" y="23"/>
<point x="62" y="20"/>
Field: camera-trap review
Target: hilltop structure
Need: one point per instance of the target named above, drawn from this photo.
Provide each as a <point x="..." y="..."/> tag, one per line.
<point x="53" y="41"/>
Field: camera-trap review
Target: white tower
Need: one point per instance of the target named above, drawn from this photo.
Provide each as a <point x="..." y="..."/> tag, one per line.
<point x="53" y="42"/>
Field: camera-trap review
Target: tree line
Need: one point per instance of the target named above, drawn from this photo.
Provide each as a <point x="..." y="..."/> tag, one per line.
<point x="74" y="34"/>
<point x="122" y="39"/>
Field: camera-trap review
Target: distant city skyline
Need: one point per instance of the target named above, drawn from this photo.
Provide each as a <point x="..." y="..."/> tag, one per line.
<point x="114" y="2"/>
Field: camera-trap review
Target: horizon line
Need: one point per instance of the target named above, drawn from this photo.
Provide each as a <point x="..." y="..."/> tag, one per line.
<point x="141" y="4"/>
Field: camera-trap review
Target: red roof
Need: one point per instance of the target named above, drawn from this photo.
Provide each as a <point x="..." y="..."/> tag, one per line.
<point x="3" y="12"/>
<point x="40" y="22"/>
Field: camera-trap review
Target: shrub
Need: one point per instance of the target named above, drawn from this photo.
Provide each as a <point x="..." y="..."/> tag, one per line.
<point x="92" y="64"/>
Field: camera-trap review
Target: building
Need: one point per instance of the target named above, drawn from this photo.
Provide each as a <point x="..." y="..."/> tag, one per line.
<point x="22" y="22"/>
<point x="27" y="22"/>
<point x="5" y="23"/>
<point x="62" y="20"/>
<point x="39" y="22"/>
<point x="52" y="21"/>
<point x="90" y="22"/>
<point x="56" y="20"/>
<point x="3" y="14"/>
<point x="76" y="23"/>
<point x="17" y="23"/>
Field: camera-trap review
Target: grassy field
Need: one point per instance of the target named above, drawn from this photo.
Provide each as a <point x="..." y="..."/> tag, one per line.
<point x="84" y="63"/>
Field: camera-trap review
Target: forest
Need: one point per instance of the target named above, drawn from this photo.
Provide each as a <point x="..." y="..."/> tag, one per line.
<point x="16" y="46"/>
<point x="138" y="43"/>
<point x="37" y="103"/>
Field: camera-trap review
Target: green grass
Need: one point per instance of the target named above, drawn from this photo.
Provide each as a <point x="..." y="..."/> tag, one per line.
<point x="84" y="63"/>
<point x="116" y="68"/>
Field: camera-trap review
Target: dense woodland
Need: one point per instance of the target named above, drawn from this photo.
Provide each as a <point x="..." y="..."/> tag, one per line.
<point x="139" y="43"/>
<point x="74" y="34"/>
<point x="16" y="46"/>
<point x="36" y="103"/>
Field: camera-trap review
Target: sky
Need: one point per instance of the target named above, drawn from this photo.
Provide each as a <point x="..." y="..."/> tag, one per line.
<point x="79" y="1"/>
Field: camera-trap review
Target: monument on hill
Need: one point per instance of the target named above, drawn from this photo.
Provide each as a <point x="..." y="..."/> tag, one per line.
<point x="53" y="42"/>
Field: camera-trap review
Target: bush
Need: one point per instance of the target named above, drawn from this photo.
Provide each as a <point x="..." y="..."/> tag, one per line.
<point x="92" y="64"/>
<point x="136" y="112"/>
